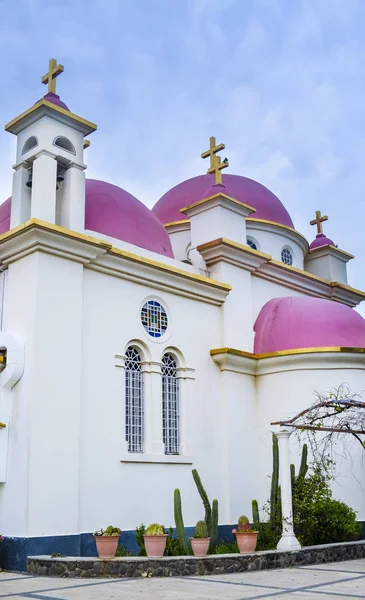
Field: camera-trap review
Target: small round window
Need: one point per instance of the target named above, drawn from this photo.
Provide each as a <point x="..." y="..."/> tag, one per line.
<point x="251" y="243"/>
<point x="154" y="318"/>
<point x="286" y="256"/>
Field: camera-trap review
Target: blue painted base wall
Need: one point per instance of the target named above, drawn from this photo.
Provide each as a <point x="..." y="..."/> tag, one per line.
<point x="14" y="551"/>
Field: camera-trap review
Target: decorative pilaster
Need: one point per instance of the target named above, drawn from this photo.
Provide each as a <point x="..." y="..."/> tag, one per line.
<point x="288" y="540"/>
<point x="20" y="200"/>
<point x="72" y="210"/>
<point x="43" y="203"/>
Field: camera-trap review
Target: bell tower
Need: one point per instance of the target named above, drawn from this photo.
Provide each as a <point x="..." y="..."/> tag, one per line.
<point x="49" y="174"/>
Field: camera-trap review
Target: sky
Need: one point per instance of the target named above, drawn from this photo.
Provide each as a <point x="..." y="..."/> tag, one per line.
<point x="280" y="82"/>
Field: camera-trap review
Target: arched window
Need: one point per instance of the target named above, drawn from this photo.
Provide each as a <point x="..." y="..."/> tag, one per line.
<point x="65" y="144"/>
<point x="134" y="410"/>
<point x="286" y="256"/>
<point x="251" y="242"/>
<point x="31" y="142"/>
<point x="170" y="405"/>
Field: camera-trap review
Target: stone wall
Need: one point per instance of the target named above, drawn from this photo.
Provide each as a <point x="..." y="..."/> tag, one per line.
<point x="189" y="565"/>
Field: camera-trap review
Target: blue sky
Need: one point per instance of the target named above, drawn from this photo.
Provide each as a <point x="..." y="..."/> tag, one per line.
<point x="280" y="82"/>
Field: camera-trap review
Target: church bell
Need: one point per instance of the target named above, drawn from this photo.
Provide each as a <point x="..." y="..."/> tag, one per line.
<point x="30" y="178"/>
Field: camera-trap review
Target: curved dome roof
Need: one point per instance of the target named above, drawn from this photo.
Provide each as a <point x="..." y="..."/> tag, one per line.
<point x="54" y="99"/>
<point x="114" y="212"/>
<point x="321" y="240"/>
<point x="294" y="323"/>
<point x="250" y="192"/>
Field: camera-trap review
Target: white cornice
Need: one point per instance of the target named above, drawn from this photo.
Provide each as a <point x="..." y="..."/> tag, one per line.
<point x="253" y="224"/>
<point x="223" y="250"/>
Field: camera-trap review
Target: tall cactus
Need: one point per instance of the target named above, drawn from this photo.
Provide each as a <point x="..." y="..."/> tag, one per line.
<point x="214" y="532"/>
<point x="292" y="474"/>
<point x="179" y="521"/>
<point x="303" y="463"/>
<point x="274" y="479"/>
<point x="255" y="514"/>
<point x="206" y="503"/>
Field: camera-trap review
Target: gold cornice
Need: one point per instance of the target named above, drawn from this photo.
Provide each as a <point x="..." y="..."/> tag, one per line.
<point x="231" y="244"/>
<point x="204" y="200"/>
<point x="182" y="222"/>
<point x="2" y="425"/>
<point x="292" y="352"/>
<point x="286" y="227"/>
<point x="53" y="107"/>
<point x="36" y="223"/>
<point x="313" y="250"/>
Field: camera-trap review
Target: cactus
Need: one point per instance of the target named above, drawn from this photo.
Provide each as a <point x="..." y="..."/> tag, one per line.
<point x="201" y="530"/>
<point x="155" y="529"/>
<point x="179" y="521"/>
<point x="243" y="524"/>
<point x="255" y="514"/>
<point x="206" y="503"/>
<point x="214" y="532"/>
<point x="274" y="479"/>
<point x="292" y="474"/>
<point x="303" y="463"/>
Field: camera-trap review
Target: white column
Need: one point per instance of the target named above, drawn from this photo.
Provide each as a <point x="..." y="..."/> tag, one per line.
<point x="43" y="204"/>
<point x="72" y="209"/>
<point x="288" y="540"/>
<point x="185" y="378"/>
<point x="153" y="408"/>
<point x="20" y="200"/>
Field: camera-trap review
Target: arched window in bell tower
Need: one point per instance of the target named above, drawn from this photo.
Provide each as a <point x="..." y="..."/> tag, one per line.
<point x="64" y="143"/>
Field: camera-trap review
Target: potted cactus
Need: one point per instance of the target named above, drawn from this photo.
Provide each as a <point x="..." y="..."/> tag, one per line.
<point x="200" y="541"/>
<point x="245" y="536"/>
<point x="155" y="540"/>
<point x="107" y="541"/>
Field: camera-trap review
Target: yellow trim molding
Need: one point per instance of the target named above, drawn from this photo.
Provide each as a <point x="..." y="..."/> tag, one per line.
<point x="36" y="223"/>
<point x="204" y="200"/>
<point x="254" y="356"/>
<point x="314" y="250"/>
<point x="9" y="126"/>
<point x="2" y="425"/>
<point x="183" y="222"/>
<point x="286" y="227"/>
<point x="232" y="244"/>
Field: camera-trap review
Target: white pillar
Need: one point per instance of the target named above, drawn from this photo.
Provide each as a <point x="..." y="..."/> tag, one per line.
<point x="72" y="209"/>
<point x="288" y="540"/>
<point x="43" y="204"/>
<point x="20" y="200"/>
<point x="154" y="399"/>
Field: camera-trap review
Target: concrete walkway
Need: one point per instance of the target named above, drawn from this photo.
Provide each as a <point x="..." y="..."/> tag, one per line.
<point x="334" y="580"/>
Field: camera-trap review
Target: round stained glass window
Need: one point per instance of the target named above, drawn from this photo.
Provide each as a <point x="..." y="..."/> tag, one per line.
<point x="154" y="318"/>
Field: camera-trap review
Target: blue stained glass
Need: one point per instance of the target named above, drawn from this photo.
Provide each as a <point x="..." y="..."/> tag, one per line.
<point x="154" y="318"/>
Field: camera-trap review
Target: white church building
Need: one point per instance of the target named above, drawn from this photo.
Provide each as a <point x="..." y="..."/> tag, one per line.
<point x="138" y="344"/>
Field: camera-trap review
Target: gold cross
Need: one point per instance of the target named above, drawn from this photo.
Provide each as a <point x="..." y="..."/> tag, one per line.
<point x="216" y="165"/>
<point x="53" y="71"/>
<point x="318" y="221"/>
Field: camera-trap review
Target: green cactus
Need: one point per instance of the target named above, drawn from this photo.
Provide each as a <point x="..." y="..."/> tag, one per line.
<point x="274" y="479"/>
<point x="292" y="474"/>
<point x="214" y="532"/>
<point x="179" y="521"/>
<point x="155" y="529"/>
<point x="201" y="530"/>
<point x="243" y="524"/>
<point x="303" y="463"/>
<point x="255" y="514"/>
<point x="206" y="503"/>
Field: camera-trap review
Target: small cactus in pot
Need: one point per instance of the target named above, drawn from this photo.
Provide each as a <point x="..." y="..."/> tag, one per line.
<point x="107" y="541"/>
<point x="245" y="536"/>
<point x="155" y="540"/>
<point x="200" y="541"/>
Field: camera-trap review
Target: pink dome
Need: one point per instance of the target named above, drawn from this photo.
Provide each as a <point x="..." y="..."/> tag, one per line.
<point x="55" y="99"/>
<point x="321" y="240"/>
<point x="267" y="205"/>
<point x="114" y="212"/>
<point x="291" y="323"/>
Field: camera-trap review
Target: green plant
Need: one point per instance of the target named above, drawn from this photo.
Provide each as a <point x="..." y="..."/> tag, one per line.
<point x="122" y="551"/>
<point x="173" y="547"/>
<point x="140" y="532"/>
<point x="225" y="547"/>
<point x="274" y="479"/>
<point x="155" y="529"/>
<point x="179" y="521"/>
<point x="201" y="530"/>
<point x="214" y="530"/>
<point x="243" y="524"/>
<point x="255" y="514"/>
<point x="206" y="503"/>
<point x="56" y="555"/>
<point x="108" y="531"/>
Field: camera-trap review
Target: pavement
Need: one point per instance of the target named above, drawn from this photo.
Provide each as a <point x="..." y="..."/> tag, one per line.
<point x="318" y="582"/>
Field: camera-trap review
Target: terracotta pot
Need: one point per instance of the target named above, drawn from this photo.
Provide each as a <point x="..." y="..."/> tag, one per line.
<point x="155" y="545"/>
<point x="106" y="545"/>
<point x="200" y="546"/>
<point x="247" y="541"/>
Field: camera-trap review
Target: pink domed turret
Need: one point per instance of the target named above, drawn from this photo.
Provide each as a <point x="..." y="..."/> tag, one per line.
<point x="302" y="322"/>
<point x="268" y="206"/>
<point x="55" y="99"/>
<point x="116" y="213"/>
<point x="321" y="240"/>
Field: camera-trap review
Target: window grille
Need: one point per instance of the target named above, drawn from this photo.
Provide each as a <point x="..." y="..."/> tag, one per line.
<point x="170" y="405"/>
<point x="134" y="401"/>
<point x="286" y="256"/>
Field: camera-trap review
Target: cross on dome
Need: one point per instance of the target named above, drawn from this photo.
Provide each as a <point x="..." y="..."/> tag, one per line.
<point x="318" y="221"/>
<point x="216" y="165"/>
<point x="54" y="70"/>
